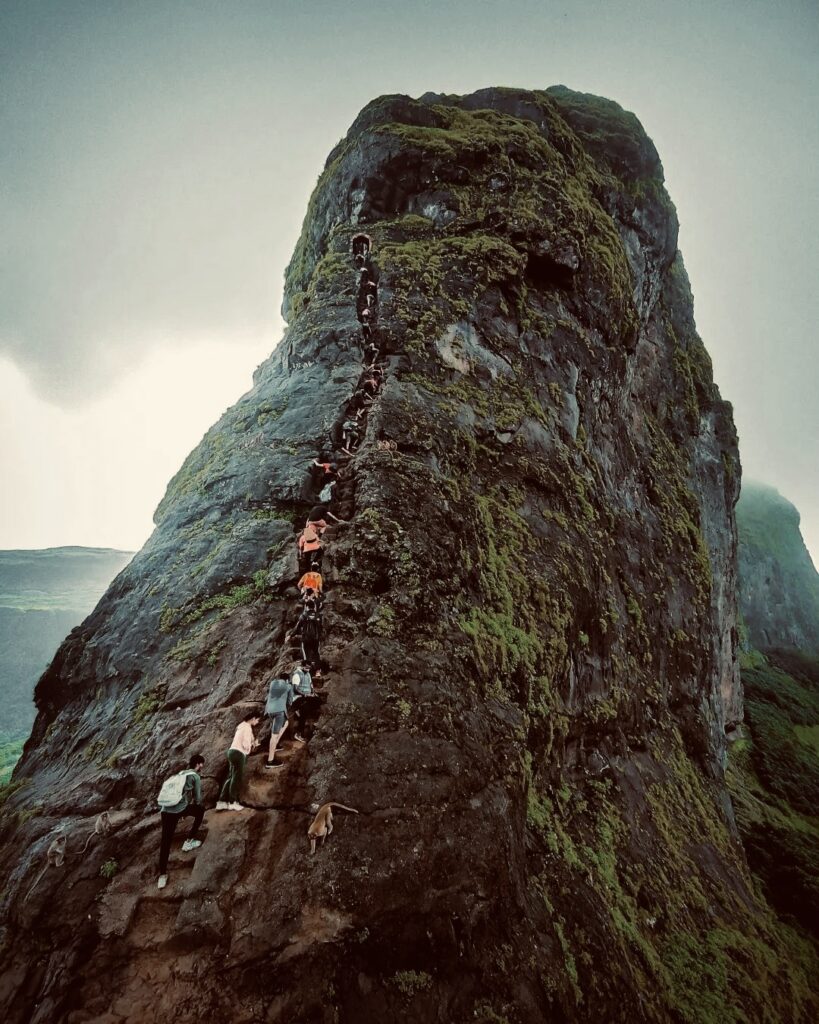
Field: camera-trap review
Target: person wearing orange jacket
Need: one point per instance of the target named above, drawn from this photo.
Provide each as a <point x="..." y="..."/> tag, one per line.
<point x="311" y="580"/>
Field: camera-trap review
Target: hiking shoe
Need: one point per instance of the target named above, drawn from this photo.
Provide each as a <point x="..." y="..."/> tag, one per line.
<point x="222" y="805"/>
<point x="274" y="764"/>
<point x="190" y="844"/>
<point x="163" y="881"/>
<point x="237" y="807"/>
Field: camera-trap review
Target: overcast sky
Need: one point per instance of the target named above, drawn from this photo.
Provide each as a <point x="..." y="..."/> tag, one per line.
<point x="156" y="160"/>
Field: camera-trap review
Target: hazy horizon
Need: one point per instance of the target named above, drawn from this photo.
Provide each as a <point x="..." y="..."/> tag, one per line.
<point x="157" y="163"/>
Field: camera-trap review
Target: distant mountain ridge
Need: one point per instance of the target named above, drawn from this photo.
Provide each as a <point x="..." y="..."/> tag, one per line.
<point x="58" y="578"/>
<point x="44" y="594"/>
<point x="778" y="582"/>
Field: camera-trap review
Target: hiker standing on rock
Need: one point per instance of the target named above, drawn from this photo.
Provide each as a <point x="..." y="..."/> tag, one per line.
<point x="279" y="699"/>
<point x="180" y="797"/>
<point x="309" y="544"/>
<point x="318" y="517"/>
<point x="243" y="744"/>
<point x="309" y="628"/>
<point x="311" y="580"/>
<point x="304" y="698"/>
<point x="371" y="353"/>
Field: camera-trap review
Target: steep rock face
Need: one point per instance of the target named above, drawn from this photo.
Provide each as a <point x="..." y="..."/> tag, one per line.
<point x="530" y="630"/>
<point x="778" y="583"/>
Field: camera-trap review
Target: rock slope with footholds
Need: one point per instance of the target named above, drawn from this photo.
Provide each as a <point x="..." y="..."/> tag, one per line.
<point x="530" y="632"/>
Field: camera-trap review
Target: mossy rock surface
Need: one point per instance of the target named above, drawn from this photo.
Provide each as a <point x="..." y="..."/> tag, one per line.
<point x="530" y="627"/>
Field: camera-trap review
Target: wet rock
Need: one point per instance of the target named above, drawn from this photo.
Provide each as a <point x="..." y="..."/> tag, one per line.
<point x="528" y="637"/>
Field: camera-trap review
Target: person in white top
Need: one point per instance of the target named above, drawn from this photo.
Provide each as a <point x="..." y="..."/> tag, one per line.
<point x="243" y="743"/>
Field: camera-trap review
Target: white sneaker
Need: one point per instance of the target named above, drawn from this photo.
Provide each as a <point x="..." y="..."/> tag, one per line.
<point x="163" y="881"/>
<point x="190" y="844"/>
<point x="222" y="805"/>
<point x="237" y="807"/>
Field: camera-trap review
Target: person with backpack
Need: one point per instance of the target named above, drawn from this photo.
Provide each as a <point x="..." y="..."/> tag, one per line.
<point x="311" y="580"/>
<point x="243" y="744"/>
<point x="309" y="628"/>
<point x="370" y="354"/>
<point x="361" y="247"/>
<point x="318" y="517"/>
<point x="310" y="550"/>
<point x="279" y="699"/>
<point x="304" y="698"/>
<point x="351" y="433"/>
<point x="180" y="797"/>
<point x="323" y="469"/>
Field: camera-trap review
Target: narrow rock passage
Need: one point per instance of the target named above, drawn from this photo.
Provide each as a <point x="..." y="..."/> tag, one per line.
<point x="333" y="489"/>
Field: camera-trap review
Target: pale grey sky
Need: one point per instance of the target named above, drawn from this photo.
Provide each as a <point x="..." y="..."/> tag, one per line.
<point x="156" y="162"/>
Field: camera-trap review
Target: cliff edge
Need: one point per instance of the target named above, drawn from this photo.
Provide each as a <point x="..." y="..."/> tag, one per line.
<point x="529" y="631"/>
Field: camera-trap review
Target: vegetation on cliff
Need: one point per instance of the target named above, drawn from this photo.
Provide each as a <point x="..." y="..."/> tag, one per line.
<point x="774" y="779"/>
<point x="530" y="623"/>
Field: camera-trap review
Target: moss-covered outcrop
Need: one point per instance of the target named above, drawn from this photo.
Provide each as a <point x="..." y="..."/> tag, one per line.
<point x="531" y="627"/>
<point x="774" y="780"/>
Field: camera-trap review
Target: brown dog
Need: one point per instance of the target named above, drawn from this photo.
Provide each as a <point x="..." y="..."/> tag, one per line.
<point x="323" y="823"/>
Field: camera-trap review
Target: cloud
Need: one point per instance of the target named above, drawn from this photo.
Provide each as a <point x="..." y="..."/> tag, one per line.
<point x="164" y="228"/>
<point x="143" y="175"/>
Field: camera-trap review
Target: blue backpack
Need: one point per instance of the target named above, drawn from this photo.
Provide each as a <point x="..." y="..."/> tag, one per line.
<point x="302" y="682"/>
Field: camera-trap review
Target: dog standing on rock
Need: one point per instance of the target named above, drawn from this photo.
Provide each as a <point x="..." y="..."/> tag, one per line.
<point x="323" y="823"/>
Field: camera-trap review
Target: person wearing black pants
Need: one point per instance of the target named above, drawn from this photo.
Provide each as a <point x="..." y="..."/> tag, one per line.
<point x="190" y="806"/>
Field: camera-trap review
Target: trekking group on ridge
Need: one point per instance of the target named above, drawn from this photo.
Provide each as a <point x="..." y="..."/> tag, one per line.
<point x="292" y="702"/>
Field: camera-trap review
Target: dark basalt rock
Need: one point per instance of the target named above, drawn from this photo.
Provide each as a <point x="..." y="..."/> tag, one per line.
<point x="530" y="627"/>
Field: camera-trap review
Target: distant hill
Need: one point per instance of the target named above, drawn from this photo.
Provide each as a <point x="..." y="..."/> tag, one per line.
<point x="58" y="578"/>
<point x="778" y="583"/>
<point x="773" y="772"/>
<point x="43" y="595"/>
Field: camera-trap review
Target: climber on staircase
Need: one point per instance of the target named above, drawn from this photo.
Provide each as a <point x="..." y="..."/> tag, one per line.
<point x="311" y="580"/>
<point x="351" y="432"/>
<point x="180" y="797"/>
<point x="308" y="628"/>
<point x="244" y="743"/>
<point x="318" y="518"/>
<point x="323" y="469"/>
<point x="371" y="353"/>
<point x="279" y="699"/>
<point x="370" y="385"/>
<point x="310" y="549"/>
<point x="361" y="246"/>
<point x="305" y="699"/>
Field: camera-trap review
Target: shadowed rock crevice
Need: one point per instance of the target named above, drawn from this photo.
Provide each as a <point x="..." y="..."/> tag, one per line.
<point x="531" y="623"/>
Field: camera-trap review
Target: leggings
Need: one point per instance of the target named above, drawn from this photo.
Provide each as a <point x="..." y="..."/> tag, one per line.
<point x="233" y="783"/>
